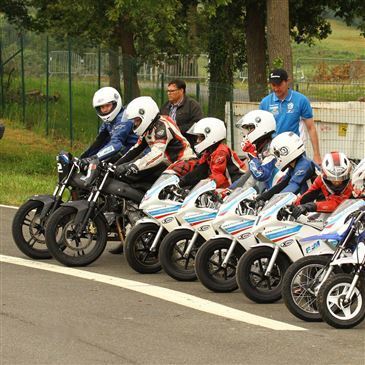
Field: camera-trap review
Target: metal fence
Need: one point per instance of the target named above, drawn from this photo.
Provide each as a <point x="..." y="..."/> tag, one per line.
<point x="340" y="126"/>
<point x="48" y="85"/>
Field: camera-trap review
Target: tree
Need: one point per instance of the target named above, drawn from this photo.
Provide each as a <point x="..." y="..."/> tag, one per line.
<point x="225" y="33"/>
<point x="278" y="36"/>
<point x="256" y="49"/>
<point x="140" y="29"/>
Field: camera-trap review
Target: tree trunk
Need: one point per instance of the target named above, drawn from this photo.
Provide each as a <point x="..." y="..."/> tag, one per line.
<point x="256" y="50"/>
<point x="114" y="70"/>
<point x="130" y="68"/>
<point x="220" y="64"/>
<point x="278" y="37"/>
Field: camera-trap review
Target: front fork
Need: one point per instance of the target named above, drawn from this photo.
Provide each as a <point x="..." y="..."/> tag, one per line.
<point x="350" y="292"/>
<point x="191" y="245"/>
<point x="229" y="253"/>
<point x="272" y="260"/>
<point x="156" y="241"/>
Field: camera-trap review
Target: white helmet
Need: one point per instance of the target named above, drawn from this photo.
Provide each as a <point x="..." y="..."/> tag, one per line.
<point x="145" y="108"/>
<point x="213" y="130"/>
<point x="257" y="124"/>
<point x="104" y="96"/>
<point x="358" y="180"/>
<point x="286" y="147"/>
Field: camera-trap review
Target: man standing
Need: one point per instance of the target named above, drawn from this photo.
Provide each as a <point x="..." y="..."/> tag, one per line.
<point x="181" y="108"/>
<point x="291" y="110"/>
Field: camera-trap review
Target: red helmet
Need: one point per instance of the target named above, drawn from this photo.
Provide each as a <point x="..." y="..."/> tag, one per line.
<point x="336" y="172"/>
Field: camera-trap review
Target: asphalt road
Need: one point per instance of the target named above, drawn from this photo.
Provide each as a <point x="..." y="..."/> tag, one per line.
<point x="55" y="318"/>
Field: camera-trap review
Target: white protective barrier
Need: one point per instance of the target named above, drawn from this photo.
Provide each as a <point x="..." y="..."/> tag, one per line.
<point x="340" y="126"/>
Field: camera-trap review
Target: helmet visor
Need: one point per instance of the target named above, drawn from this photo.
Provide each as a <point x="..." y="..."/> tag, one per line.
<point x="336" y="186"/>
<point x="106" y="109"/>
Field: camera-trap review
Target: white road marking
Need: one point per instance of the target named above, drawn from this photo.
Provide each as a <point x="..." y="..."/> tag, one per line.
<point x="169" y="295"/>
<point x="8" y="206"/>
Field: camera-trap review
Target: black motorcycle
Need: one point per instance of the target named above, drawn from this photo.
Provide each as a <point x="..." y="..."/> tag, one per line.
<point x="28" y="227"/>
<point x="77" y="232"/>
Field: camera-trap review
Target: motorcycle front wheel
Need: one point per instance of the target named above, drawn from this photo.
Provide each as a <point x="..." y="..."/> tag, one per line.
<point x="299" y="285"/>
<point x="28" y="230"/>
<point x="209" y="269"/>
<point x="172" y="250"/>
<point x="333" y="307"/>
<point x="251" y="276"/>
<point x="66" y="246"/>
<point x="137" y="248"/>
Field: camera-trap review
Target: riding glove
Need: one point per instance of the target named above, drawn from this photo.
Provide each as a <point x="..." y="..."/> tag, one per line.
<point x="303" y="209"/>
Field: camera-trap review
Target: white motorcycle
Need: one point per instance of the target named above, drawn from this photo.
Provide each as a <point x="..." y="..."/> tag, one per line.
<point x="341" y="299"/>
<point x="160" y="204"/>
<point x="304" y="278"/>
<point x="178" y="248"/>
<point x="216" y="260"/>
<point x="260" y="271"/>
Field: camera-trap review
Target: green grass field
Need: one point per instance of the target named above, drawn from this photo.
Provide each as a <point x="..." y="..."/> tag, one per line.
<point x="28" y="163"/>
<point x="343" y="43"/>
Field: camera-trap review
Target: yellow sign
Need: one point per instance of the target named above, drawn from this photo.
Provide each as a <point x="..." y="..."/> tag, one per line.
<point x="342" y="129"/>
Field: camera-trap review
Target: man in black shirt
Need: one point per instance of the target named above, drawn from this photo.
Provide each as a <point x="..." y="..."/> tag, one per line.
<point x="184" y="110"/>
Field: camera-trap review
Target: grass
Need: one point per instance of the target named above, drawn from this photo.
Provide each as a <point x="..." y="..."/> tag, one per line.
<point x="344" y="42"/>
<point x="27" y="163"/>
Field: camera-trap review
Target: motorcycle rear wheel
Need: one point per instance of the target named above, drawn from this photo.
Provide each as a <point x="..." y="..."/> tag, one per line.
<point x="66" y="247"/>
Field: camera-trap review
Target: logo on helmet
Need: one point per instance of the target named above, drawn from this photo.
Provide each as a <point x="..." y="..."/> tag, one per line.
<point x="258" y="119"/>
<point x="207" y="130"/>
<point x="116" y="96"/>
<point x="283" y="151"/>
<point x="141" y="111"/>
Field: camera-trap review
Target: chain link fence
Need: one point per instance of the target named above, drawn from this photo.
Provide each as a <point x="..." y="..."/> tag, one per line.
<point x="49" y="85"/>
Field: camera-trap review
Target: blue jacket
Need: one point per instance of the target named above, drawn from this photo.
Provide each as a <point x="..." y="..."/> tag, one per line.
<point x="116" y="136"/>
<point x="296" y="179"/>
<point x="303" y="171"/>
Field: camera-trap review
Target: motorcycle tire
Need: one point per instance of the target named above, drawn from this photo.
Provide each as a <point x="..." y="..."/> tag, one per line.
<point x="298" y="287"/>
<point x="28" y="231"/>
<point x="70" y="250"/>
<point x="250" y="275"/>
<point x="330" y="302"/>
<point x="208" y="265"/>
<point x="137" y="248"/>
<point x="172" y="258"/>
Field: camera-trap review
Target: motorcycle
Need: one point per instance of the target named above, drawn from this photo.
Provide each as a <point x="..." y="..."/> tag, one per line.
<point x="260" y="270"/>
<point x="160" y="204"/>
<point x="304" y="278"/>
<point x="178" y="248"/>
<point x="28" y="226"/>
<point x="77" y="232"/>
<point x="216" y="260"/>
<point x="341" y="299"/>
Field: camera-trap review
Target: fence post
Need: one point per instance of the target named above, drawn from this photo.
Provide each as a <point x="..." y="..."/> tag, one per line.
<point x="99" y="82"/>
<point x="198" y="91"/>
<point x="47" y="85"/>
<point x="22" y="75"/>
<point x="2" y="78"/>
<point x="70" y="90"/>
<point x="162" y="87"/>
<point x="231" y="119"/>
